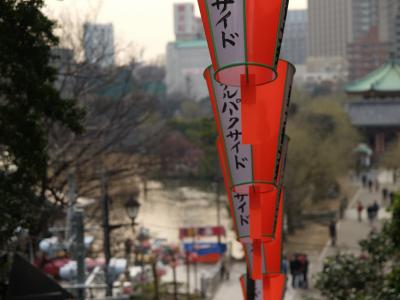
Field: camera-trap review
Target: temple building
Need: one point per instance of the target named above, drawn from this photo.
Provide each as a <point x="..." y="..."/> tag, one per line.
<point x="377" y="111"/>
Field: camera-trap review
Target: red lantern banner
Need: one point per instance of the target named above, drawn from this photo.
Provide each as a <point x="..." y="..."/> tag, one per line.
<point x="243" y="211"/>
<point x="244" y="37"/>
<point x="255" y="164"/>
<point x="264" y="126"/>
<point x="226" y="103"/>
<point x="255" y="259"/>
<point x="265" y="108"/>
<point x="274" y="287"/>
<point x="239" y="204"/>
<point x="253" y="221"/>
<point x="264" y="256"/>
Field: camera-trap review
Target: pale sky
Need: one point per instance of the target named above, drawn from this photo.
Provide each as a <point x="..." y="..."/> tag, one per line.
<point x="146" y="24"/>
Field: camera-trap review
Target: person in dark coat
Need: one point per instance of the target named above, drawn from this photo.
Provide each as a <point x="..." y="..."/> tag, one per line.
<point x="332" y="232"/>
<point x="370" y="184"/>
<point x="364" y="180"/>
<point x="294" y="271"/>
<point x="370" y="213"/>
<point x="305" y="272"/>
<point x="375" y="210"/>
<point x="385" y="194"/>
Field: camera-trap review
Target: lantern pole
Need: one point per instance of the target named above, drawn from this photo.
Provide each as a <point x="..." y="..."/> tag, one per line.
<point x="251" y="287"/>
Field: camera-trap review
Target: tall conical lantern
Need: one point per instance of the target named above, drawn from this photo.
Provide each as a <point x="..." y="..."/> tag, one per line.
<point x="250" y="91"/>
<point x="256" y="163"/>
<point x="244" y="37"/>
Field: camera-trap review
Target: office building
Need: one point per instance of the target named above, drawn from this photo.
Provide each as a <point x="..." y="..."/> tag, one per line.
<point x="294" y="45"/>
<point x="366" y="53"/>
<point x="186" y="61"/>
<point x="389" y="24"/>
<point x="330" y="28"/>
<point x="187" y="56"/>
<point x="99" y="44"/>
<point x="187" y="26"/>
<point x="365" y="15"/>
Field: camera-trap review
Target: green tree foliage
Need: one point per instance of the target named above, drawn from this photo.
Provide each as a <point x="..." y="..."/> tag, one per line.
<point x="29" y="108"/>
<point x="391" y="158"/>
<point x="373" y="275"/>
<point x="320" y="150"/>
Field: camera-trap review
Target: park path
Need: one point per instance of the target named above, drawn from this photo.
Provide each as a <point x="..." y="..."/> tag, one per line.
<point x="349" y="230"/>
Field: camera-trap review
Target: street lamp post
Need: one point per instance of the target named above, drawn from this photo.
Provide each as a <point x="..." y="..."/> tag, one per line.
<point x="132" y="208"/>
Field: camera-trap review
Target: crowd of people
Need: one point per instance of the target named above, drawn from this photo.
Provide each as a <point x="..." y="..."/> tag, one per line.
<point x="298" y="268"/>
<point x="373" y="208"/>
<point x="372" y="211"/>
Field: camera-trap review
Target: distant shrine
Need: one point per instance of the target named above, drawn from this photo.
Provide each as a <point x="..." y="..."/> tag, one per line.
<point x="377" y="112"/>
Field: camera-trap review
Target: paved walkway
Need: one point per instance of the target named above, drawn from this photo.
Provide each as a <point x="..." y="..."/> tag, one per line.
<point x="349" y="232"/>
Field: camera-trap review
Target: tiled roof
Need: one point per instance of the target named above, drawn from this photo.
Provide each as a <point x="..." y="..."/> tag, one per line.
<point x="385" y="80"/>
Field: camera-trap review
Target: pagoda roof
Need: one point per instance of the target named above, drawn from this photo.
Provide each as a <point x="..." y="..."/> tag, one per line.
<point x="385" y="81"/>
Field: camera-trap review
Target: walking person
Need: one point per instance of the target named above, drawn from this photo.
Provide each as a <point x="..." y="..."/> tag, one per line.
<point x="377" y="185"/>
<point x="360" y="209"/>
<point x="294" y="269"/>
<point x="370" y="183"/>
<point x="285" y="268"/>
<point x="305" y="272"/>
<point x="385" y="194"/>
<point x="364" y="180"/>
<point x="391" y="197"/>
<point x="370" y="214"/>
<point x="333" y="233"/>
<point x="375" y="210"/>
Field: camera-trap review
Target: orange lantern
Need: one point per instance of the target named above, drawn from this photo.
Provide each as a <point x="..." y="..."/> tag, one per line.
<point x="254" y="214"/>
<point x="239" y="204"/>
<point x="255" y="259"/>
<point x="255" y="164"/>
<point x="274" y="287"/>
<point x="244" y="37"/>
<point x="265" y="108"/>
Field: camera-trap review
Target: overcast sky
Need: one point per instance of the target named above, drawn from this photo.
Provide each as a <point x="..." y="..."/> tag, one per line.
<point x="146" y="24"/>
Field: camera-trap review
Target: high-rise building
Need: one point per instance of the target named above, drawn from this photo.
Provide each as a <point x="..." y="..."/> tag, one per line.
<point x="364" y="17"/>
<point x="99" y="44"/>
<point x="186" y="61"/>
<point x="368" y="50"/>
<point x="389" y="24"/>
<point x="366" y="54"/>
<point x="294" y="45"/>
<point x="397" y="32"/>
<point x="188" y="55"/>
<point x="330" y="27"/>
<point x="186" y="25"/>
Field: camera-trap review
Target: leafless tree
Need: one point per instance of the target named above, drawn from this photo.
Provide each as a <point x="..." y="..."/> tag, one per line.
<point x="121" y="121"/>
